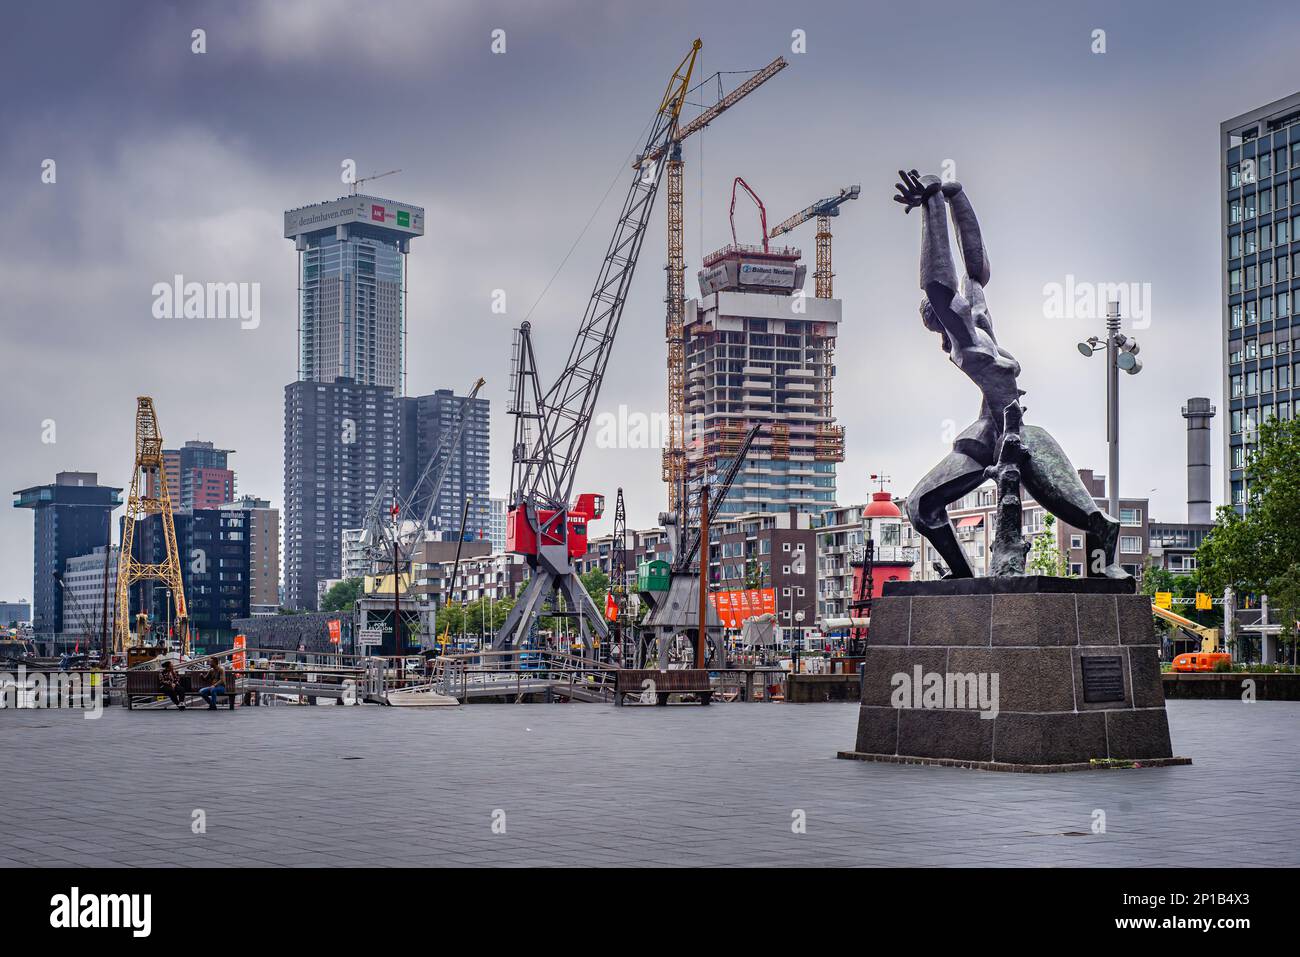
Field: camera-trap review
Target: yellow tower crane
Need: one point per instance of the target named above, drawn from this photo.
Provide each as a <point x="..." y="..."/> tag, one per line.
<point x="674" y="456"/>
<point x="830" y="438"/>
<point x="155" y="499"/>
<point x="823" y="210"/>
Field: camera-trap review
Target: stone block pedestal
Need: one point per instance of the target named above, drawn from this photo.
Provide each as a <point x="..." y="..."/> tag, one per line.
<point x="1017" y="674"/>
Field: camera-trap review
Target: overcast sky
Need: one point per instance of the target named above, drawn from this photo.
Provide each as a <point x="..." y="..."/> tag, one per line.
<point x="1097" y="165"/>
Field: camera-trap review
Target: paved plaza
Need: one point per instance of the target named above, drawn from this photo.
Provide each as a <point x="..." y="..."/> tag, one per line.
<point x="590" y="784"/>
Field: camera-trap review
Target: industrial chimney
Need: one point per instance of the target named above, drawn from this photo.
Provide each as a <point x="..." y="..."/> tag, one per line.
<point x="1198" y="413"/>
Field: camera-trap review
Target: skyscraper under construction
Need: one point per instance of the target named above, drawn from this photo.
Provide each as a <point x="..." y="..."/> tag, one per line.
<point x="759" y="350"/>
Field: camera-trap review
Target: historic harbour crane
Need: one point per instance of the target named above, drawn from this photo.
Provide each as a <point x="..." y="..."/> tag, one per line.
<point x="141" y="503"/>
<point x="543" y="523"/>
<point x="390" y="546"/>
<point x="675" y="605"/>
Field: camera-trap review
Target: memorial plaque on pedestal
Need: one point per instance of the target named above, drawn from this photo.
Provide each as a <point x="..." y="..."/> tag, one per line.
<point x="1103" y="678"/>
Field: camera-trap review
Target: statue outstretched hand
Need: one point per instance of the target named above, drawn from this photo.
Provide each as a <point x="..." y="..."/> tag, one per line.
<point x="914" y="190"/>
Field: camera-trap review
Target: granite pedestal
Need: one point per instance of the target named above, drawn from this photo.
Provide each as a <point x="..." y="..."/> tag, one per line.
<point x="1028" y="673"/>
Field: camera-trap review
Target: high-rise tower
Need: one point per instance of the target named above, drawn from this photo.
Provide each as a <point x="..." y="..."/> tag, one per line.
<point x="72" y="518"/>
<point x="342" y="425"/>
<point x="1259" y="153"/>
<point x="352" y="288"/>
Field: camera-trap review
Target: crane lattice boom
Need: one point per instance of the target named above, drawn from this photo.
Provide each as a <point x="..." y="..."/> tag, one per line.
<point x="548" y="477"/>
<point x="674" y="454"/>
<point x="690" y="535"/>
<point x="543" y="524"/>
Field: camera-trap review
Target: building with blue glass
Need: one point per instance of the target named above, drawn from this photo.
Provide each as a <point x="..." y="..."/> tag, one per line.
<point x="352" y="287"/>
<point x="214" y="550"/>
<point x="72" y="518"/>
<point x="1259" y="171"/>
<point x="342" y="417"/>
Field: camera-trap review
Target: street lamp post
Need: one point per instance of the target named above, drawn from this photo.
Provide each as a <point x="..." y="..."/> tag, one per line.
<point x="1121" y="353"/>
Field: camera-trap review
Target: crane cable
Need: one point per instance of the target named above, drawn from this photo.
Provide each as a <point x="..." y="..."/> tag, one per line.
<point x="590" y="219"/>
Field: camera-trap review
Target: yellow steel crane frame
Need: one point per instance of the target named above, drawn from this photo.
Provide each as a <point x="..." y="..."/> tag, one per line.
<point x="149" y="463"/>
<point x="674" y="455"/>
<point x="830" y="438"/>
<point x="823" y="210"/>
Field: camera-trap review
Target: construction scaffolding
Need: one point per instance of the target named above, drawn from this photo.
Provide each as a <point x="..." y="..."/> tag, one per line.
<point x="674" y="454"/>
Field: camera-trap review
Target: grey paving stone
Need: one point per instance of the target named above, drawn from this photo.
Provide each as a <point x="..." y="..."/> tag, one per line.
<point x="590" y="784"/>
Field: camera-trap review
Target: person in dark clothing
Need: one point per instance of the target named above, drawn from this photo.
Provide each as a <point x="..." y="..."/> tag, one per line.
<point x="169" y="680"/>
<point x="215" y="679"/>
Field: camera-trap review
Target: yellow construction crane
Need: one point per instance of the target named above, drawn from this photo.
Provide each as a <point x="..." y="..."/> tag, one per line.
<point x="823" y="210"/>
<point x="674" y="456"/>
<point x="830" y="438"/>
<point x="149" y="463"/>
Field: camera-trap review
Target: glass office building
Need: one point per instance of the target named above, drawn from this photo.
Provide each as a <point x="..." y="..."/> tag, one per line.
<point x="1260" y="168"/>
<point x="352" y="288"/>
<point x="342" y="417"/>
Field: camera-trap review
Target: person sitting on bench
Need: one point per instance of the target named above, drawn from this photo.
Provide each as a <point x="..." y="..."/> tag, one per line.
<point x="169" y="680"/>
<point x="215" y="678"/>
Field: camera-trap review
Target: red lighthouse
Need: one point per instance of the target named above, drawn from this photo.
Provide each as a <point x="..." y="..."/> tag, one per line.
<point x="883" y="559"/>
<point x="891" y="562"/>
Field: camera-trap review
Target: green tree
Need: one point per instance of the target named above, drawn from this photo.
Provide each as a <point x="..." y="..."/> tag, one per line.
<point x="597" y="584"/>
<point x="1258" y="552"/>
<point x="1156" y="579"/>
<point x="342" y="596"/>
<point x="1045" y="556"/>
<point x="1284" y="600"/>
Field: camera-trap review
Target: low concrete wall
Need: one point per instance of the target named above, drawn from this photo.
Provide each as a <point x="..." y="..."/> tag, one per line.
<point x="1229" y="684"/>
<point x="810" y="689"/>
<point x="309" y="631"/>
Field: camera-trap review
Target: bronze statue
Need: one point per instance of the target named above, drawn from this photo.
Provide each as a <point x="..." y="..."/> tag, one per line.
<point x="987" y="448"/>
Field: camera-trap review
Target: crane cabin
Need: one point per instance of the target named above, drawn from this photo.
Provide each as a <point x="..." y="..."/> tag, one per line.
<point x="522" y="539"/>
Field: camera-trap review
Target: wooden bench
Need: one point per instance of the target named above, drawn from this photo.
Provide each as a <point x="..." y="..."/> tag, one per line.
<point x="146" y="684"/>
<point x="662" y="684"/>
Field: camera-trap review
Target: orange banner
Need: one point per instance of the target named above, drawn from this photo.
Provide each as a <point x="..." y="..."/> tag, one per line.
<point x="335" y="630"/>
<point x="737" y="607"/>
